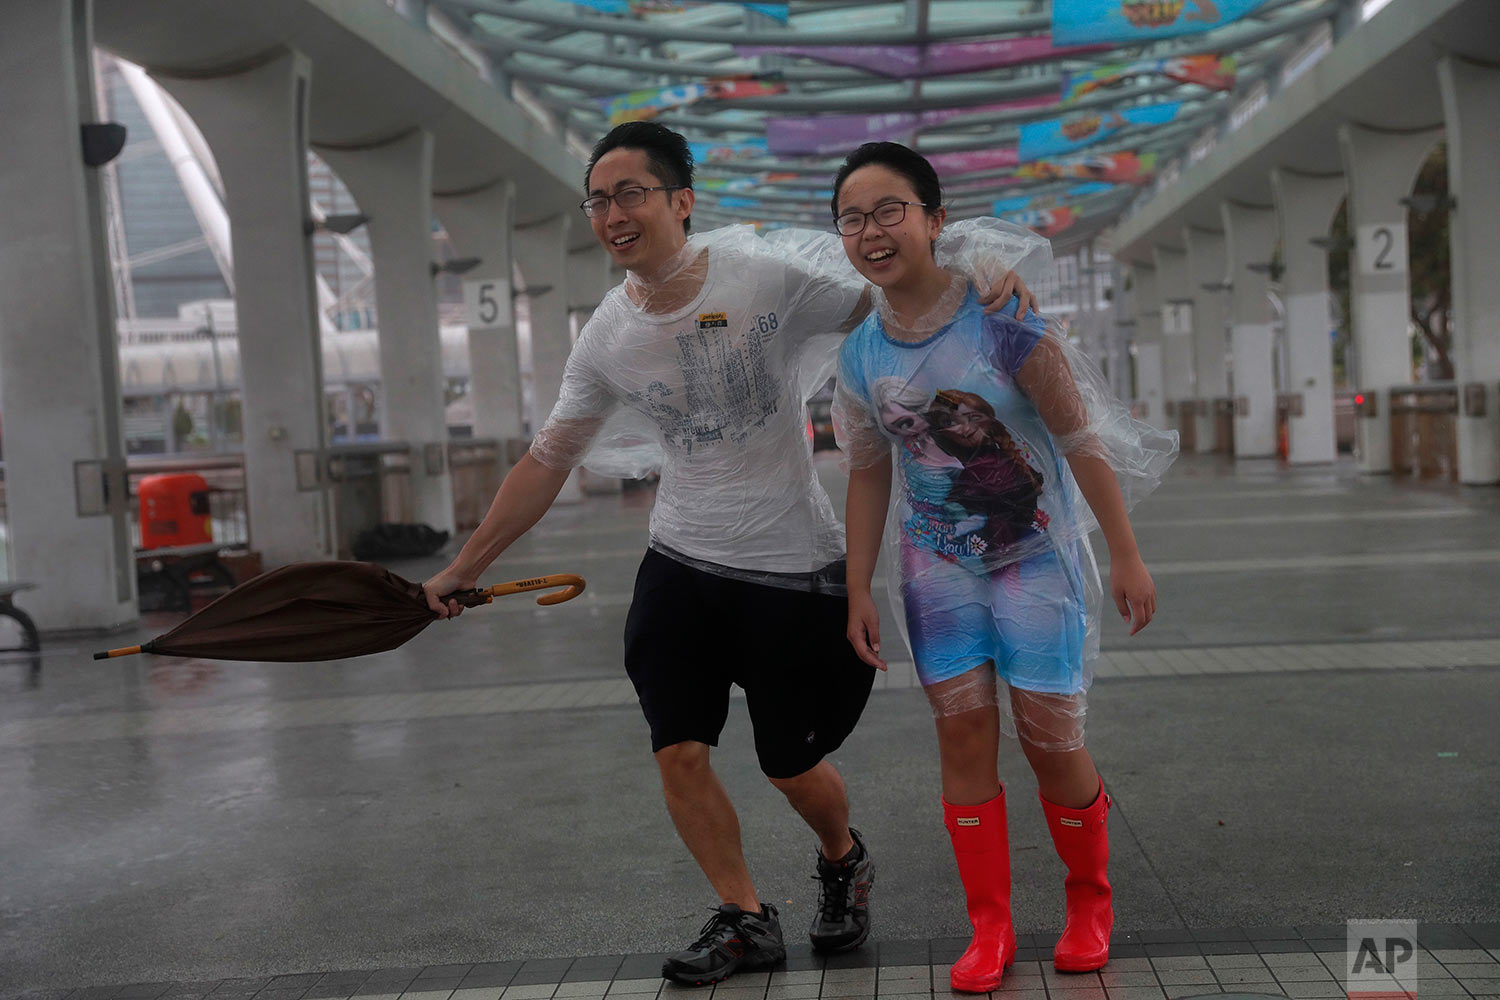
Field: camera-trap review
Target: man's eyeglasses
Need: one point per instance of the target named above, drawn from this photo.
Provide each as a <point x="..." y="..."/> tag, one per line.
<point x="892" y="213"/>
<point x="631" y="197"/>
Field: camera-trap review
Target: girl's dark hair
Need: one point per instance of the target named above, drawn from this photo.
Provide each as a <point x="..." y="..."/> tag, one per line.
<point x="666" y="151"/>
<point x="893" y="156"/>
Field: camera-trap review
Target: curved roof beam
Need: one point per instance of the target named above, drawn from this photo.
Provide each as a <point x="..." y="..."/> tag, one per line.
<point x="657" y="31"/>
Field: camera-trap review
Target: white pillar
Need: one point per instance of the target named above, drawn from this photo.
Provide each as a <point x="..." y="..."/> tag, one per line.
<point x="1249" y="237"/>
<point x="1471" y="111"/>
<point x="1305" y="206"/>
<point x="479" y="223"/>
<point x="1176" y="319"/>
<point x="256" y="123"/>
<point x="590" y="277"/>
<point x="1207" y="267"/>
<point x="1379" y="168"/>
<point x="542" y="249"/>
<point x="392" y="183"/>
<point x="59" y="375"/>
<point x="1149" y="365"/>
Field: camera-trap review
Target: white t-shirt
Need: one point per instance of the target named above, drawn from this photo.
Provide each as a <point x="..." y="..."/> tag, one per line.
<point x="722" y="383"/>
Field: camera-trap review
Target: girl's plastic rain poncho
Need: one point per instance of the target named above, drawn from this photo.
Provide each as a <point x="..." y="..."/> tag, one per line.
<point x="987" y="537"/>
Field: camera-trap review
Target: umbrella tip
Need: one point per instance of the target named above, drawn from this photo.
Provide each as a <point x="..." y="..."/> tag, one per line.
<point x="102" y="656"/>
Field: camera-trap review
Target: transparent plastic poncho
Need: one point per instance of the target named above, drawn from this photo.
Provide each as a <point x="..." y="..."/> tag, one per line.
<point x="701" y="371"/>
<point x="986" y="545"/>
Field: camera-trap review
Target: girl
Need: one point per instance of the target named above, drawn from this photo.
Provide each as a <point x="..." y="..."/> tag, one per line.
<point x="1004" y="448"/>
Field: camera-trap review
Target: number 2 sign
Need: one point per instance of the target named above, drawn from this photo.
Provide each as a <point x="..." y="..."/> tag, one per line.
<point x="1381" y="248"/>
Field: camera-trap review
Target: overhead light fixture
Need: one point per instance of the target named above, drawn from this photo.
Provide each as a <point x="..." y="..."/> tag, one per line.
<point x="342" y="224"/>
<point x="458" y="265"/>
<point x="1333" y="244"/>
<point x="102" y="142"/>
<point x="1425" y="203"/>
<point x="1270" y="268"/>
<point x="1217" y="286"/>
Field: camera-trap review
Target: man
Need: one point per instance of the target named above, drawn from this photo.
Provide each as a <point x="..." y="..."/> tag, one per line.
<point x="743" y="580"/>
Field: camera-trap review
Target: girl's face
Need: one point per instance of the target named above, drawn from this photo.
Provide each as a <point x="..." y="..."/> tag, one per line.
<point x="888" y="255"/>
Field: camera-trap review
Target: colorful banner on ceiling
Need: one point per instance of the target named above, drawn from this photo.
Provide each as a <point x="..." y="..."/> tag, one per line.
<point x="1130" y="22"/>
<point x="948" y="164"/>
<point x="777" y="11"/>
<point x="1057" y="199"/>
<point x="839" y="134"/>
<point x="728" y="152"/>
<point x="749" y="182"/>
<point x="639" y="105"/>
<point x="1211" y="71"/>
<point x="914" y="62"/>
<point x="1046" y="222"/>
<point x="1116" y="168"/>
<point x="1057" y="136"/>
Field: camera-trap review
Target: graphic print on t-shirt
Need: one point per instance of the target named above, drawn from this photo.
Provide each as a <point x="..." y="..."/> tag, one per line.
<point x="971" y="487"/>
<point x="728" y="388"/>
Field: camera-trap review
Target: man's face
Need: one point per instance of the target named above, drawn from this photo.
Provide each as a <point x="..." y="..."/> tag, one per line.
<point x="642" y="238"/>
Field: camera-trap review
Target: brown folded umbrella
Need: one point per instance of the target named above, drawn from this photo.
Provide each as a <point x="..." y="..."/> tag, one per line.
<point x="322" y="611"/>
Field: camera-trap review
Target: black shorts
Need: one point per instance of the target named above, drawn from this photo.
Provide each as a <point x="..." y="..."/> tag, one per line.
<point x="691" y="634"/>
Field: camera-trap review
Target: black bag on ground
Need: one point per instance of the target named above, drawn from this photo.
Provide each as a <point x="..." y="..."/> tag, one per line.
<point x="397" y="541"/>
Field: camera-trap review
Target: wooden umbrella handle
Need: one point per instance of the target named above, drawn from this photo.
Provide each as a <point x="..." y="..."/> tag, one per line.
<point x="574" y="585"/>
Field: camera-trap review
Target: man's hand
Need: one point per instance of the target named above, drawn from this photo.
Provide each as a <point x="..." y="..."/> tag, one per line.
<point x="1134" y="592"/>
<point x="864" y="629"/>
<point x="446" y="582"/>
<point x="998" y="294"/>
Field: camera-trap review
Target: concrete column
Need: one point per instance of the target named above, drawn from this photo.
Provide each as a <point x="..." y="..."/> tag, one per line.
<point x="1122" y="318"/>
<point x="1249" y="238"/>
<point x="392" y="183"/>
<point x="1207" y="267"/>
<point x="479" y="223"/>
<point x="1149" y="364"/>
<point x="1174" y="301"/>
<point x="1471" y="111"/>
<point x="59" y="377"/>
<point x="542" y="250"/>
<point x="1379" y="168"/>
<point x="1305" y="206"/>
<point x="256" y="124"/>
<point x="590" y="277"/>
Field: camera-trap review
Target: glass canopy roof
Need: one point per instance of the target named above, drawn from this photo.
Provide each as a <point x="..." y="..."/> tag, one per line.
<point x="773" y="94"/>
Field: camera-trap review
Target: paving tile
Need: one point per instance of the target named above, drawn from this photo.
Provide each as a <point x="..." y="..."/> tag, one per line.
<point x="478" y="993"/>
<point x="1473" y="970"/>
<point x="415" y="994"/>
<point x="445" y="971"/>
<point x="1179" y="962"/>
<point x="1235" y="962"/>
<point x="1313" y="991"/>
<point x="1126" y="964"/>
<point x="1461" y="955"/>
<point x="529" y="991"/>
<point x="577" y="988"/>
<point x="1302" y="973"/>
<point x="1243" y="976"/>
<point x="1110" y="978"/>
<point x="788" y="978"/>
<point x="794" y="991"/>
<point x="1135" y="993"/>
<point x="635" y="987"/>
<point x="1076" y="993"/>
<point x="1194" y="990"/>
<point x="1186" y="977"/>
<point x="1004" y="994"/>
<point x="1174" y="949"/>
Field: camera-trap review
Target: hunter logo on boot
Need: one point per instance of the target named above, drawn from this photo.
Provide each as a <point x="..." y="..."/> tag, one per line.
<point x="1065" y="821"/>
<point x="967" y="821"/>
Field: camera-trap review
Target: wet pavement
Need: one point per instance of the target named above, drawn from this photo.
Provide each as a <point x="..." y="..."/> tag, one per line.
<point x="1305" y="736"/>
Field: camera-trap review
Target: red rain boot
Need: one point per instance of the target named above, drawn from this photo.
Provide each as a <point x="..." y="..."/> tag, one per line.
<point x="982" y="847"/>
<point x="1083" y="844"/>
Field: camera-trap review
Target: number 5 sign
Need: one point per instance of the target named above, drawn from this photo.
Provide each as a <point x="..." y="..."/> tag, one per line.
<point x="487" y="303"/>
<point x="1382" y="248"/>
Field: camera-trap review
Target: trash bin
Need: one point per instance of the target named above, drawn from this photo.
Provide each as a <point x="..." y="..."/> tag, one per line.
<point x="174" y="510"/>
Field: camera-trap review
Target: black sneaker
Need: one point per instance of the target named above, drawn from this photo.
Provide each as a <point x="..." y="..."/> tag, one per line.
<point x="843" y="918"/>
<point x="731" y="940"/>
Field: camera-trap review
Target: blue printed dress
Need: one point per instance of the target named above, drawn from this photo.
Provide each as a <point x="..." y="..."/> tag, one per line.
<point x="993" y="564"/>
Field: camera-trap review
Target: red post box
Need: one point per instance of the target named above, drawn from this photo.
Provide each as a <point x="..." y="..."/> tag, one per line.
<point x="174" y="510"/>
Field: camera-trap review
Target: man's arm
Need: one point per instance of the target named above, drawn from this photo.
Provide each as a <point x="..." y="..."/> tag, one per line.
<point x="524" y="496"/>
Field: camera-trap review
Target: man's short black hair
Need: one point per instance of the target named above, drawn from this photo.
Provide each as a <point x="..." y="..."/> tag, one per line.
<point x="666" y="151"/>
